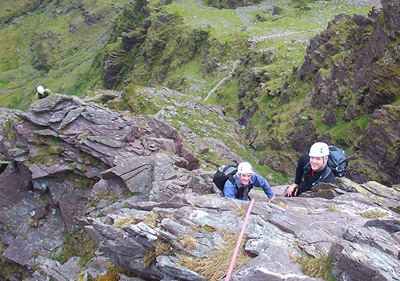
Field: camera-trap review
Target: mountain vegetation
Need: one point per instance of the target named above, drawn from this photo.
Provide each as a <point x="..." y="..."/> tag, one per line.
<point x="296" y="71"/>
<point x="151" y="97"/>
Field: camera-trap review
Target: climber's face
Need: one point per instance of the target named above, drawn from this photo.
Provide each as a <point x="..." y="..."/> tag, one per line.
<point x="244" y="179"/>
<point x="318" y="163"/>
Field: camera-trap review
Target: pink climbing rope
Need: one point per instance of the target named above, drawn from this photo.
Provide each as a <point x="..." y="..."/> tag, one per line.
<point x="246" y="220"/>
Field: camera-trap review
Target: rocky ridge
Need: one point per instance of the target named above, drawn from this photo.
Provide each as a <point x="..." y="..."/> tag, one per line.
<point x="147" y="203"/>
<point x="352" y="74"/>
<point x="363" y="61"/>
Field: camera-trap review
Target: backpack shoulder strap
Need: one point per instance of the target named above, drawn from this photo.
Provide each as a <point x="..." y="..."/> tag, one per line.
<point x="307" y="166"/>
<point x="232" y="180"/>
<point x="327" y="172"/>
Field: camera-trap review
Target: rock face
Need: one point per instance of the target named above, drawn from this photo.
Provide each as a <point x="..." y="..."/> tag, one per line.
<point x="391" y="13"/>
<point x="74" y="153"/>
<point x="367" y="49"/>
<point x="147" y="204"/>
<point x="276" y="234"/>
<point x="361" y="54"/>
<point x="380" y="142"/>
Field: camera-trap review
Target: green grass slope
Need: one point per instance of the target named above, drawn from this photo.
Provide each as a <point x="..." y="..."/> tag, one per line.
<point x="54" y="44"/>
<point x="244" y="59"/>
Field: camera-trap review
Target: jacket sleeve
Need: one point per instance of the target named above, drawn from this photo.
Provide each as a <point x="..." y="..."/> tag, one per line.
<point x="229" y="190"/>
<point x="303" y="160"/>
<point x="259" y="181"/>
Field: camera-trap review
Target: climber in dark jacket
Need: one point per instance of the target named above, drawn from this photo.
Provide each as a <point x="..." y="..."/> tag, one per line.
<point x="311" y="169"/>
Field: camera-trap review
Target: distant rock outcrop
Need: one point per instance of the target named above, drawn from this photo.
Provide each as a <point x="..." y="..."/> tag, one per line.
<point x="361" y="69"/>
<point x="148" y="205"/>
<point x="379" y="143"/>
<point x="231" y="4"/>
<point x="353" y="67"/>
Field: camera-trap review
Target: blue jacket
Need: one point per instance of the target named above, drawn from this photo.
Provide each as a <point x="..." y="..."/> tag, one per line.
<point x="256" y="180"/>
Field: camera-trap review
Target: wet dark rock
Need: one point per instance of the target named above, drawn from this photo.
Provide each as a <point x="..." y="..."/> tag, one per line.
<point x="392" y="19"/>
<point x="329" y="118"/>
<point x="232" y="4"/>
<point x="389" y="225"/>
<point x="132" y="38"/>
<point x="378" y="144"/>
<point x="303" y="137"/>
<point x="276" y="10"/>
<point x="247" y="115"/>
<point x="112" y="65"/>
<point x="351" y="113"/>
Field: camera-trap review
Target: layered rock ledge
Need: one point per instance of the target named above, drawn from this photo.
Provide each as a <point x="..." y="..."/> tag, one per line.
<point x="149" y="207"/>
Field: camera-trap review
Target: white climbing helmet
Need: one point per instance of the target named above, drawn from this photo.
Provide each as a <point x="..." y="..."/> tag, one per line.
<point x="319" y="149"/>
<point x="40" y="89"/>
<point x="245" y="168"/>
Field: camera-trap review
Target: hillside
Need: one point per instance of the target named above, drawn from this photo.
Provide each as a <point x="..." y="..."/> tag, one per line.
<point x="53" y="43"/>
<point x="274" y="66"/>
<point x="110" y="177"/>
<point x="91" y="193"/>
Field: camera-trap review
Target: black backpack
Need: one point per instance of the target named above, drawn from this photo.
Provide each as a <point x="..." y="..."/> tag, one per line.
<point x="337" y="161"/>
<point x="225" y="173"/>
